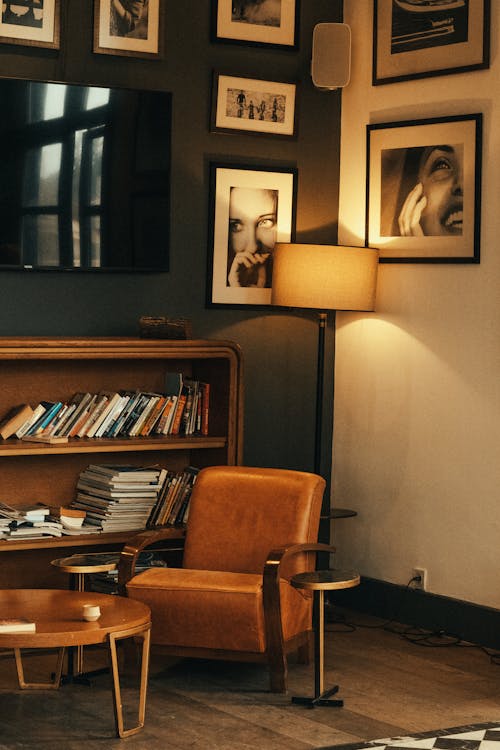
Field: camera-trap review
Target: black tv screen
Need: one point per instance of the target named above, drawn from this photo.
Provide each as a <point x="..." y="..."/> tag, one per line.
<point x="84" y="177"/>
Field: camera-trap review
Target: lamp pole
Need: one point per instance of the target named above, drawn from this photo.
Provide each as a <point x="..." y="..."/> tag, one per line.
<point x="318" y="438"/>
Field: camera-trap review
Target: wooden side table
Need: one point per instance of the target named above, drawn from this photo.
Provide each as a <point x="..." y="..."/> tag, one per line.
<point x="78" y="566"/>
<point x="319" y="581"/>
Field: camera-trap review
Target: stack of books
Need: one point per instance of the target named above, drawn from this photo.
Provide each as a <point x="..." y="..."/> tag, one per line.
<point x="28" y="522"/>
<point x="181" y="409"/>
<point x="118" y="497"/>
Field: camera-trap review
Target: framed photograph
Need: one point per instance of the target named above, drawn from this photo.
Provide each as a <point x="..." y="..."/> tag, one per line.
<point x="128" y="27"/>
<point x="424" y="190"/>
<point x="258" y="22"/>
<point x="253" y="105"/>
<point x="251" y="210"/>
<point x="35" y="23"/>
<point x="422" y="38"/>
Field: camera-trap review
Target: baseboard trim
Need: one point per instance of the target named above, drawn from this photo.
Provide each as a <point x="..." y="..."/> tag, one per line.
<point x="470" y="622"/>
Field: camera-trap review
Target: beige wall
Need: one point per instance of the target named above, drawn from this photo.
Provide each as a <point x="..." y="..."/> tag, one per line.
<point x="417" y="394"/>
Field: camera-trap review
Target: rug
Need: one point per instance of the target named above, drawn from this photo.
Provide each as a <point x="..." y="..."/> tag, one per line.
<point x="469" y="737"/>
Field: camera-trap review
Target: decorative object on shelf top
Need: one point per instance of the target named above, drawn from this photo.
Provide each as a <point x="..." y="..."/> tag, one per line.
<point x="165" y="328"/>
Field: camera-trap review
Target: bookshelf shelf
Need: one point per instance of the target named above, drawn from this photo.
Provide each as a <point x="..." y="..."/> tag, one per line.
<point x="33" y="369"/>
<point x="21" y="448"/>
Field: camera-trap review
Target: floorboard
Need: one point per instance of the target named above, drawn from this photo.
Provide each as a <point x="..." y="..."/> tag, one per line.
<point x="390" y="687"/>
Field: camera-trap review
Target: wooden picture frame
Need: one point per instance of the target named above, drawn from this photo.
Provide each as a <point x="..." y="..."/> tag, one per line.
<point x="251" y="208"/>
<point x="423" y="202"/>
<point x="31" y="23"/>
<point x="131" y="35"/>
<point x="253" y="105"/>
<point x="418" y="39"/>
<point x="256" y="22"/>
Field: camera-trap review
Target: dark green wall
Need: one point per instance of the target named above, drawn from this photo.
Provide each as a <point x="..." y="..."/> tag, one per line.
<point x="279" y="348"/>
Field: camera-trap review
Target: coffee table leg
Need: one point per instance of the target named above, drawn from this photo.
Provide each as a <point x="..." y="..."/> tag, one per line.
<point x="52" y="685"/>
<point x="144" y="634"/>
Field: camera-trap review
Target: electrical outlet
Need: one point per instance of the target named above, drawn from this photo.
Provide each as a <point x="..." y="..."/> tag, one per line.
<point x="422" y="574"/>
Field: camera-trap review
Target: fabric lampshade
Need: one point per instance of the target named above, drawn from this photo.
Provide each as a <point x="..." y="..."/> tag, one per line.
<point x="324" y="277"/>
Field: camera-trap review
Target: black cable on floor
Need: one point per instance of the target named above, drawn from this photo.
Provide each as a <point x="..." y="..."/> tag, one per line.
<point x="417" y="636"/>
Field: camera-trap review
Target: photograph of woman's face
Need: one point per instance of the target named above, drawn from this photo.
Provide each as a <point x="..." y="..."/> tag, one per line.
<point x="441" y="175"/>
<point x="424" y="185"/>
<point x="252" y="235"/>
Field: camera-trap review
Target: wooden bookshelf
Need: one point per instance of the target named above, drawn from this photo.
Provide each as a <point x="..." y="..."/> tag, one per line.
<point x="36" y="369"/>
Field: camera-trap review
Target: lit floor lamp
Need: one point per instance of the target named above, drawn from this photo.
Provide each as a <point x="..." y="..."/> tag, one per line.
<point x="324" y="278"/>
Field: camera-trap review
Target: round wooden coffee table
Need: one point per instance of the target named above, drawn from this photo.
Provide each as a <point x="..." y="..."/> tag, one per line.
<point x="59" y="623"/>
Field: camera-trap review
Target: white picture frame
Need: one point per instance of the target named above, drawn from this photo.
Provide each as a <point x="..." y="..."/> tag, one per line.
<point x="253" y="105"/>
<point x="144" y="40"/>
<point x="225" y="178"/>
<point x="32" y="23"/>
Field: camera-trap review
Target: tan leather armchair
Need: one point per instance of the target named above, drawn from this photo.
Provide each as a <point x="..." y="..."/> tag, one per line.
<point x="249" y="531"/>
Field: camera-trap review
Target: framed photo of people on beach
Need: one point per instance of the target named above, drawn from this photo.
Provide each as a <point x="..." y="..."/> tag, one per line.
<point x="33" y="23"/>
<point x="251" y="209"/>
<point x="273" y="22"/>
<point x="422" y="38"/>
<point x="129" y="27"/>
<point x="424" y="189"/>
<point x="253" y="105"/>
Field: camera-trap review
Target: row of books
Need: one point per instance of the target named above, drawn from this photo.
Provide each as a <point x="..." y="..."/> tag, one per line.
<point x="172" y="507"/>
<point x="182" y="409"/>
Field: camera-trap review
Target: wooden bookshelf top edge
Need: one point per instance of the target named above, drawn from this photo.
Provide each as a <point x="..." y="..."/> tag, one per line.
<point x="80" y="540"/>
<point x="37" y="347"/>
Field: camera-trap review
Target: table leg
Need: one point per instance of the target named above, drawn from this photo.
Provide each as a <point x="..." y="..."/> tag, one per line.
<point x="52" y="685"/>
<point x="75" y="653"/>
<point x="144" y="634"/>
<point x="321" y="696"/>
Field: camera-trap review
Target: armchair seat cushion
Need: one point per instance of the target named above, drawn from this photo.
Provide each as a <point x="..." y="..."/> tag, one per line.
<point x="214" y="609"/>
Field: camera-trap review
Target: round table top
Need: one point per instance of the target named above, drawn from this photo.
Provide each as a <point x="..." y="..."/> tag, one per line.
<point x="87" y="563"/>
<point x="326" y="579"/>
<point x="59" y="620"/>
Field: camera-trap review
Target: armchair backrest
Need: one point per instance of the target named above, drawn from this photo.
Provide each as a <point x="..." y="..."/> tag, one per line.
<point x="237" y="515"/>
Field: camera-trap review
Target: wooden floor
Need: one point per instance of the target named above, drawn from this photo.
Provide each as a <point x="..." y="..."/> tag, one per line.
<point x="390" y="686"/>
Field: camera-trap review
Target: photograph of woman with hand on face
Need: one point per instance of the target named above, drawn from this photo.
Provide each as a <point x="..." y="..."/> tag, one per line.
<point x="424" y="189"/>
<point x="252" y="235"/>
<point x="434" y="204"/>
<point x="430" y="199"/>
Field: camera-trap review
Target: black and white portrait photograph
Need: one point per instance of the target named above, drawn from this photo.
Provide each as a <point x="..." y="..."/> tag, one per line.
<point x="419" y="38"/>
<point x="30" y="22"/>
<point x="128" y="27"/>
<point x="252" y="210"/>
<point x="253" y="105"/>
<point x="424" y="189"/>
<point x="257" y="21"/>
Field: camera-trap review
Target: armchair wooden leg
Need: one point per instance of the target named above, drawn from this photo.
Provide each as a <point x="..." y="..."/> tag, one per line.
<point x="278" y="673"/>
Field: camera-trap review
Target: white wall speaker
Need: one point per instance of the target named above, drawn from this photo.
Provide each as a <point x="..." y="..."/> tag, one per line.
<point x="331" y="55"/>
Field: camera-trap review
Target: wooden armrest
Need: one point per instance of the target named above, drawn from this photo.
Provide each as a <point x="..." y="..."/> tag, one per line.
<point x="271" y="597"/>
<point x="132" y="550"/>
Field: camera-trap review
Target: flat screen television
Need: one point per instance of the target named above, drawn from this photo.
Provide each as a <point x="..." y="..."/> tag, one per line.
<point x="84" y="177"/>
